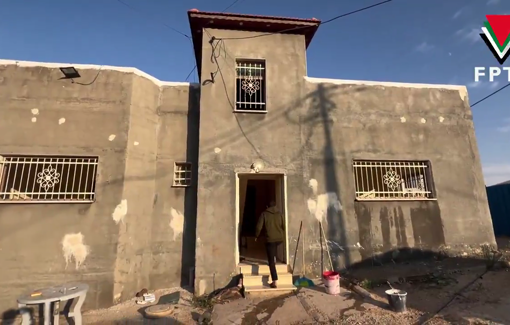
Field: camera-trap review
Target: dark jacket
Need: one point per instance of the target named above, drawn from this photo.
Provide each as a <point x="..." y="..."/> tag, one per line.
<point x="274" y="224"/>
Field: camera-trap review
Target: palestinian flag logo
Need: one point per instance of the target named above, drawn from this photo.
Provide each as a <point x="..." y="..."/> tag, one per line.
<point x="496" y="35"/>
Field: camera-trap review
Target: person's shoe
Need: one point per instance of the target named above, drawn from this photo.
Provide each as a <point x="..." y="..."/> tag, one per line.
<point x="273" y="285"/>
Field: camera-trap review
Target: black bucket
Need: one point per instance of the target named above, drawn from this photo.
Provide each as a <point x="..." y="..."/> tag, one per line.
<point x="397" y="300"/>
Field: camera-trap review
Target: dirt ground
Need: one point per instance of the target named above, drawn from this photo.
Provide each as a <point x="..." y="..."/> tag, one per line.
<point x="442" y="297"/>
<point x="447" y="292"/>
<point x="485" y="302"/>
<point x="130" y="312"/>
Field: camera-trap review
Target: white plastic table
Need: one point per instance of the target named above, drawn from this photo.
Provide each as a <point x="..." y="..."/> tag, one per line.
<point x="49" y="296"/>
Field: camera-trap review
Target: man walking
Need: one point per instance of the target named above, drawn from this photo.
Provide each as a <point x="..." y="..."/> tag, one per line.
<point x="273" y="223"/>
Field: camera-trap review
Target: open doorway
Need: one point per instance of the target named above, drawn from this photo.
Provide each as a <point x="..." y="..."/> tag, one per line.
<point x="255" y="192"/>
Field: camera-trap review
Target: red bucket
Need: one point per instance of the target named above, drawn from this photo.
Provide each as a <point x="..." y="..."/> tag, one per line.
<point x="331" y="281"/>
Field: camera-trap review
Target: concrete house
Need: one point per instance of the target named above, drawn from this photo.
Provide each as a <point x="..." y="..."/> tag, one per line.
<point x="122" y="181"/>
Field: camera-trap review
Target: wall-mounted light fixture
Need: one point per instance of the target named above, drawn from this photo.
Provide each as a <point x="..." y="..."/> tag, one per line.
<point x="70" y="73"/>
<point x="257" y="166"/>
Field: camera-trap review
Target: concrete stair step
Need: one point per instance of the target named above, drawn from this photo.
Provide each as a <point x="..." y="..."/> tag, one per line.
<point x="254" y="269"/>
<point x="281" y="288"/>
<point x="251" y="280"/>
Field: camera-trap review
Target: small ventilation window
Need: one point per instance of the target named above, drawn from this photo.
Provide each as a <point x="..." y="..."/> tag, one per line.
<point x="182" y="174"/>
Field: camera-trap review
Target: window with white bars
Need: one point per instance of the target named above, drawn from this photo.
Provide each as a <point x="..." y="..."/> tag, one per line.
<point x="182" y="174"/>
<point x="250" y="85"/>
<point x="393" y="180"/>
<point x="47" y="179"/>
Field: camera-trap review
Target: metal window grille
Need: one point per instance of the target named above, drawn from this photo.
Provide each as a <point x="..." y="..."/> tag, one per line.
<point x="182" y="174"/>
<point x="47" y="179"/>
<point x="393" y="180"/>
<point x="250" y="85"/>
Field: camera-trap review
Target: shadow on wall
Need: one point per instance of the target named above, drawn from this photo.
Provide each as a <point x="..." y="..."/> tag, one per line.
<point x="190" y="195"/>
<point x="307" y="113"/>
<point x="319" y="106"/>
<point x="382" y="227"/>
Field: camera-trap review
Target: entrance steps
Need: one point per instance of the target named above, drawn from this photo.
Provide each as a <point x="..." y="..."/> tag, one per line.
<point x="256" y="277"/>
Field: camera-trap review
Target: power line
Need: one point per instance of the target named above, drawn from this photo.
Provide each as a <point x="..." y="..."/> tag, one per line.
<point x="296" y="28"/>
<point x="195" y="67"/>
<point x="490" y="95"/>
<point x="303" y="27"/>
<point x="167" y="26"/>
<point x="231" y="5"/>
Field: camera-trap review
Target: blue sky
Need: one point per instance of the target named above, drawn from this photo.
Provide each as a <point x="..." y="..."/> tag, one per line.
<point x="428" y="41"/>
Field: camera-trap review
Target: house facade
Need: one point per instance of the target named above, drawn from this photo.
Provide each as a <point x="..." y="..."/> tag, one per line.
<point x="122" y="181"/>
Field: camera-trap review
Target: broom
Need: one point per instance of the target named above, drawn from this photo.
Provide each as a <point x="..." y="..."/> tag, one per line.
<point x="303" y="281"/>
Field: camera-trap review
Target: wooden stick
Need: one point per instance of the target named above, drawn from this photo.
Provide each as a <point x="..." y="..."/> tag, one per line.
<point x="297" y="247"/>
<point x="303" y="270"/>
<point x="327" y="246"/>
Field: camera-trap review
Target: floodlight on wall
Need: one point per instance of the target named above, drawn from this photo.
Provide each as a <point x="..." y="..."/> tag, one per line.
<point x="70" y="72"/>
<point x="257" y="166"/>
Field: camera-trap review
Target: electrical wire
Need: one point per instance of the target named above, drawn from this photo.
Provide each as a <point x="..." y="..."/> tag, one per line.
<point x="88" y="83"/>
<point x="490" y="95"/>
<point x="296" y="28"/>
<point x="308" y="26"/>
<point x="195" y="67"/>
<point x="231" y="5"/>
<point x="167" y="26"/>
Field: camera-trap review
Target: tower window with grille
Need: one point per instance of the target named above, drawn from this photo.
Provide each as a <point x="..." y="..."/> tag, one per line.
<point x="250" y="86"/>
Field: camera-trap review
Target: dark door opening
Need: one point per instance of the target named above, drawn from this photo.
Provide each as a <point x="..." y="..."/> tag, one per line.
<point x="255" y="195"/>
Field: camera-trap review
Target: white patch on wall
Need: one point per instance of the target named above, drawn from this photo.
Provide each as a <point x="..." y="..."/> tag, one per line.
<point x="61" y="121"/>
<point x="423" y="120"/>
<point x="176" y="222"/>
<point x="217" y="150"/>
<point x="74" y="249"/>
<point x="35" y="111"/>
<point x="34" y="119"/>
<point x="120" y="211"/>
<point x="403" y="119"/>
<point x="313" y="185"/>
<point x="136" y="143"/>
<point x="111" y="137"/>
<point x="320" y="205"/>
<point x="441" y="119"/>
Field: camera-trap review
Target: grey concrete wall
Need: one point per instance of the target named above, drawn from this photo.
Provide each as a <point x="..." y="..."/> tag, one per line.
<point x="31" y="235"/>
<point x="312" y="131"/>
<point x="174" y="215"/>
<point x="230" y="142"/>
<point x="397" y="122"/>
<point x="125" y="251"/>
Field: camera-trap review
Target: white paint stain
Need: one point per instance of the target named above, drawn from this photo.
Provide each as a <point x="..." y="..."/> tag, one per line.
<point x="202" y="286"/>
<point x="120" y="211"/>
<point x="423" y="120"/>
<point x="111" y="137"/>
<point x="136" y="143"/>
<point x="75" y="249"/>
<point x="324" y="203"/>
<point x="313" y="185"/>
<point x="403" y="119"/>
<point x="176" y="222"/>
<point x="61" y="121"/>
<point x="441" y="119"/>
<point x="312" y="205"/>
<point x="34" y="119"/>
<point x="319" y="206"/>
<point x="35" y="111"/>
<point x="217" y="150"/>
